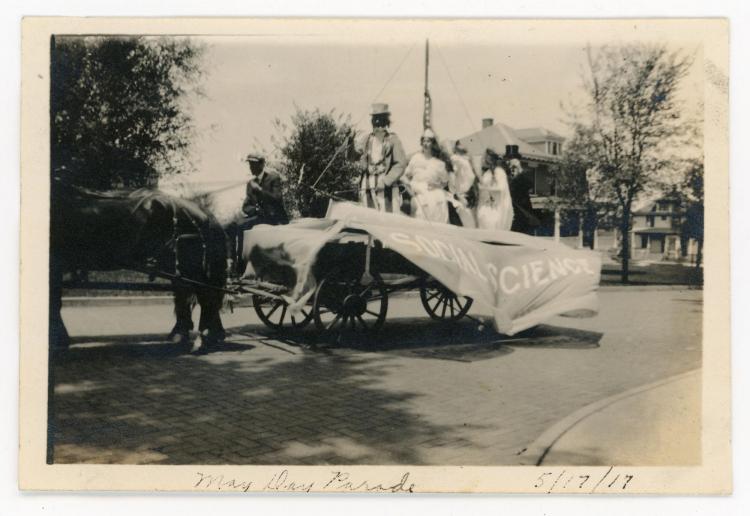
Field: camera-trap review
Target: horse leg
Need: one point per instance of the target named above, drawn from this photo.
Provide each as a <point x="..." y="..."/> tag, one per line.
<point x="210" y="325"/>
<point x="183" y="310"/>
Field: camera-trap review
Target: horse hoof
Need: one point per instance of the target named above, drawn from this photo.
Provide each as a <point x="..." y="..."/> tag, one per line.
<point x="179" y="338"/>
<point x="202" y="345"/>
<point x="207" y="340"/>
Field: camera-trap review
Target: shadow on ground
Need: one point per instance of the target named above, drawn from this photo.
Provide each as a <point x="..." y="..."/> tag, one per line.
<point x="149" y="403"/>
<point x="462" y="341"/>
<point x="134" y="399"/>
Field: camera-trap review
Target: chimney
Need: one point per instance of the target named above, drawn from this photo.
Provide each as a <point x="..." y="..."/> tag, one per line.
<point x="487" y="122"/>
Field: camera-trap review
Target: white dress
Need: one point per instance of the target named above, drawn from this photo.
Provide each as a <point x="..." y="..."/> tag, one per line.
<point x="428" y="177"/>
<point x="495" y="207"/>
<point x="459" y="184"/>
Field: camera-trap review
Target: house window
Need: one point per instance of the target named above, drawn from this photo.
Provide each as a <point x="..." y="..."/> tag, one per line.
<point x="644" y="241"/>
<point x="650" y="221"/>
<point x="663" y="217"/>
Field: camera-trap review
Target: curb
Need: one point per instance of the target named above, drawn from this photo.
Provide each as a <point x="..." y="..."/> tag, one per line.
<point x="537" y="450"/>
<point x="646" y="288"/>
<point x="115" y="300"/>
<point x="77" y="301"/>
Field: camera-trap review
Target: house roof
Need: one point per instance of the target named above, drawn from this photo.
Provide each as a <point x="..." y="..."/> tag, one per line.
<point x="538" y="134"/>
<point x="648" y="209"/>
<point x="497" y="136"/>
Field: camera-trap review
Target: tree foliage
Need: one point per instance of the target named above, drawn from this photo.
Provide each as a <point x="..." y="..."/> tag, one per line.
<point x="578" y="185"/>
<point x="692" y="194"/>
<point x="630" y="124"/>
<point x="316" y="147"/>
<point x="118" y="110"/>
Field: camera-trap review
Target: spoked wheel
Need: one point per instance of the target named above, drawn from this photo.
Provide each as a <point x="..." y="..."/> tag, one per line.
<point x="275" y="313"/>
<point x="347" y="305"/>
<point x="442" y="304"/>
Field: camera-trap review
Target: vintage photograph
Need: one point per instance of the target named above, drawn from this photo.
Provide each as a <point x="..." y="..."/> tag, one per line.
<point x="377" y="247"/>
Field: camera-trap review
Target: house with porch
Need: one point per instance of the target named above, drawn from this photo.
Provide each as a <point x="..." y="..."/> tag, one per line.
<point x="656" y="231"/>
<point x="541" y="151"/>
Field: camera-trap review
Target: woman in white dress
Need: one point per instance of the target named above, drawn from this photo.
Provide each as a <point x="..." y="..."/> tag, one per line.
<point x="427" y="178"/>
<point x="495" y="207"/>
<point x="460" y="183"/>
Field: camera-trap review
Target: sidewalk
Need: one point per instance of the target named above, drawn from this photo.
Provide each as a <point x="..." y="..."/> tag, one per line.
<point x="658" y="424"/>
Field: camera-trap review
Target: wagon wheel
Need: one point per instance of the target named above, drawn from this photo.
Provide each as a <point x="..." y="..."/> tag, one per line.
<point x="345" y="304"/>
<point x="275" y="313"/>
<point x="442" y="304"/>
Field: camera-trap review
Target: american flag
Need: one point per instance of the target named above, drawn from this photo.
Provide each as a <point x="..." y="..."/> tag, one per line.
<point x="427" y="118"/>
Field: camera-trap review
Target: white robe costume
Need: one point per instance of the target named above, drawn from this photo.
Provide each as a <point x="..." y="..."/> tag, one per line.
<point x="428" y="177"/>
<point x="495" y="207"/>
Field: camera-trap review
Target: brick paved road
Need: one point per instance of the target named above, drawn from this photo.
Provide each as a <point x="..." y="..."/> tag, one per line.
<point x="426" y="395"/>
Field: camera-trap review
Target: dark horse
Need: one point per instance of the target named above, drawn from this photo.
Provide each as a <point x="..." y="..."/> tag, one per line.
<point x="143" y="230"/>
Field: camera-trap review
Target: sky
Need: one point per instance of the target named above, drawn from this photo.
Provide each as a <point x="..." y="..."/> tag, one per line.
<point x="250" y="81"/>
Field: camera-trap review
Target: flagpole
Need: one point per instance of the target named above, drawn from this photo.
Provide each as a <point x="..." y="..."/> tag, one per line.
<point x="426" y="66"/>
<point x="427" y="114"/>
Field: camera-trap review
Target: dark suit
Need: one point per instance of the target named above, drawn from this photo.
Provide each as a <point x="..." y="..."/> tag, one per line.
<point x="265" y="204"/>
<point x="261" y="206"/>
<point x="524" y="220"/>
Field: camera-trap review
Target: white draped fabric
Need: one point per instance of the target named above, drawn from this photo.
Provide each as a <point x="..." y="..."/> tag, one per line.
<point x="495" y="207"/>
<point x="428" y="178"/>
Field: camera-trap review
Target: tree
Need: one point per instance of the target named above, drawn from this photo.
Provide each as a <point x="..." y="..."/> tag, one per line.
<point x="317" y="152"/>
<point x="578" y="186"/>
<point x="631" y="122"/>
<point x="118" y="110"/>
<point x="693" y="196"/>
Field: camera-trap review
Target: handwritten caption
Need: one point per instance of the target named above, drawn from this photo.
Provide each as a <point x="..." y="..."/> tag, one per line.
<point x="283" y="481"/>
<point x="566" y="482"/>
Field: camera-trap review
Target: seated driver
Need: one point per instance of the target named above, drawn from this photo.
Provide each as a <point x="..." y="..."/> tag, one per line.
<point x="263" y="204"/>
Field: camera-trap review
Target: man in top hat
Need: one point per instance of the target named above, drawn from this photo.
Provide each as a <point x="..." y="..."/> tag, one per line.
<point x="383" y="161"/>
<point x="521" y="183"/>
<point x="262" y="205"/>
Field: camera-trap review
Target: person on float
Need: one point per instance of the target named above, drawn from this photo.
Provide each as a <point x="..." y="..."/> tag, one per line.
<point x="383" y="161"/>
<point x="521" y="184"/>
<point x="427" y="177"/>
<point x="263" y="204"/>
<point x="494" y="206"/>
<point x="462" y="181"/>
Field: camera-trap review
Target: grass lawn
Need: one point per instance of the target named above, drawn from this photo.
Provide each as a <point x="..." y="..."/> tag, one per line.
<point x="654" y="274"/>
<point x="120" y="276"/>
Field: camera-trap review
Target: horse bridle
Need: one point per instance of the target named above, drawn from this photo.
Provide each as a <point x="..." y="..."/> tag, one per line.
<point x="173" y="243"/>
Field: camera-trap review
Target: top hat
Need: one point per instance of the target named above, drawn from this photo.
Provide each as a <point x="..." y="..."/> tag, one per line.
<point x="511" y="151"/>
<point x="379" y="108"/>
<point x="255" y="158"/>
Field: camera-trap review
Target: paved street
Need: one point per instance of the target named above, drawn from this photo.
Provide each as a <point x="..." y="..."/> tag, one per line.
<point x="426" y="394"/>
